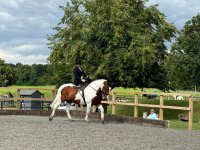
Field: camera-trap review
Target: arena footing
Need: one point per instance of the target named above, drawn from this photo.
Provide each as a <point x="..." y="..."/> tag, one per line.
<point x="96" y="115"/>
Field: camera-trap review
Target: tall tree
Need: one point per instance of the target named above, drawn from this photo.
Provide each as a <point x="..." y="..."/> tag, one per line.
<point x="23" y="74"/>
<point x="7" y="74"/>
<point x="184" y="61"/>
<point x="120" y="40"/>
<point x="36" y="74"/>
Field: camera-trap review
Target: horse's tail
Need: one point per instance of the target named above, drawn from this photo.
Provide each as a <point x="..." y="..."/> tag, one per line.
<point x="53" y="103"/>
<point x="56" y="99"/>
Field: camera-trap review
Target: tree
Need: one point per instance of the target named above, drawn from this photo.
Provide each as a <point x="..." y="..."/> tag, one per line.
<point x="7" y="74"/>
<point x="120" y="40"/>
<point x="184" y="61"/>
<point x="36" y="74"/>
<point x="23" y="74"/>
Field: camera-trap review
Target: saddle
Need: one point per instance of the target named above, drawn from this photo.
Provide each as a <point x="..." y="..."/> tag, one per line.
<point x="82" y="86"/>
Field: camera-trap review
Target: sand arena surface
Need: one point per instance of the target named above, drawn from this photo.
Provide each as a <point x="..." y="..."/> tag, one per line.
<point x="38" y="133"/>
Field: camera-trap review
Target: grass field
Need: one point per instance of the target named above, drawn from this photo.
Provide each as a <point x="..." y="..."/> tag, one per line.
<point x="171" y="115"/>
<point x="13" y="89"/>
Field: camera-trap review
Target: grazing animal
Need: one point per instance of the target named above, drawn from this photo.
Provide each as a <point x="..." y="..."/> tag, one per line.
<point x="93" y="94"/>
<point x="150" y="96"/>
<point x="119" y="99"/>
<point x="178" y="97"/>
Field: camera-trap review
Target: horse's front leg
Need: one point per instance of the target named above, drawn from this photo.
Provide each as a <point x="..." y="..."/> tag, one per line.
<point x="100" y="107"/>
<point x="87" y="111"/>
<point x="68" y="111"/>
<point x="55" y="106"/>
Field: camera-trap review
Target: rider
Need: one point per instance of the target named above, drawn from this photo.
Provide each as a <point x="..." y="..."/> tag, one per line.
<point x="80" y="76"/>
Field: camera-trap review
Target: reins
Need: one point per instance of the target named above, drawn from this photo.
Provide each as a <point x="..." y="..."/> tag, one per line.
<point x="92" y="88"/>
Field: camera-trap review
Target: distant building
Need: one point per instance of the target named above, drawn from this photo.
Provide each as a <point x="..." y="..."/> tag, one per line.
<point x="31" y="94"/>
<point x="33" y="104"/>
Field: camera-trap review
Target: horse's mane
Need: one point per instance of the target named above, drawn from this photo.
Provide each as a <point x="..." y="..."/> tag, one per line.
<point x="98" y="80"/>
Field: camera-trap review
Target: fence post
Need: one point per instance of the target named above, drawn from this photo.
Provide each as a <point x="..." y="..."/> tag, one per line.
<point x="94" y="108"/>
<point x="190" y="113"/>
<point x="81" y="107"/>
<point x="53" y="94"/>
<point x="1" y="104"/>
<point x="136" y="107"/>
<point x="161" y="107"/>
<point x="76" y="107"/>
<point x="113" y="100"/>
<point x="18" y="101"/>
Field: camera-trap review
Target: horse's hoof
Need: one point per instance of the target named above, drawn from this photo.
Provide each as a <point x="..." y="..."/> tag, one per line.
<point x="50" y="118"/>
<point x="102" y="121"/>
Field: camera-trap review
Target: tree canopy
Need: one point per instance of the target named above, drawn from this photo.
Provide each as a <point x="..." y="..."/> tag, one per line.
<point x="119" y="40"/>
<point x="183" y="62"/>
<point x="7" y="74"/>
<point x="22" y="74"/>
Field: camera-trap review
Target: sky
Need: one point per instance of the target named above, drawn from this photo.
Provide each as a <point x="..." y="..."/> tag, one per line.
<point x="25" y="24"/>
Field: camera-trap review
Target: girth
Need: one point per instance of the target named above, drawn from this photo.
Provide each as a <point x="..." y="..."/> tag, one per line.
<point x="82" y="89"/>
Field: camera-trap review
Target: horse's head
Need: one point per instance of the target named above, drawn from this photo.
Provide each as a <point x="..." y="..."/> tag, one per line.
<point x="105" y="90"/>
<point x="102" y="88"/>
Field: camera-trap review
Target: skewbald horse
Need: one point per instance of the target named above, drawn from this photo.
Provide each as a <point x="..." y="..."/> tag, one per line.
<point x="94" y="93"/>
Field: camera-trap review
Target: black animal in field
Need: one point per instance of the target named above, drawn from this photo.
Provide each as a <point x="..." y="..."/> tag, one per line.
<point x="150" y="96"/>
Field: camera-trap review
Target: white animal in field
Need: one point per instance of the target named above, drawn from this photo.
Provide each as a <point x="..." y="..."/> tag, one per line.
<point x="121" y="100"/>
<point x="178" y="97"/>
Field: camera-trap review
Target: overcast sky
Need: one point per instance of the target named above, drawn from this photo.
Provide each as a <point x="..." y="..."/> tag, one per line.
<point x="25" y="24"/>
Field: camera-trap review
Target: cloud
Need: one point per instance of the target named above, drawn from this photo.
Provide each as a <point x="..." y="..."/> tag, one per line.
<point x="24" y="26"/>
<point x="24" y="48"/>
<point x="29" y="59"/>
<point x="177" y="11"/>
<point x="6" y="17"/>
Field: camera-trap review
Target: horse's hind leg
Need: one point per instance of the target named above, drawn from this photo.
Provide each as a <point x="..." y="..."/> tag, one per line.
<point x="102" y="113"/>
<point x="55" y="106"/>
<point x="68" y="111"/>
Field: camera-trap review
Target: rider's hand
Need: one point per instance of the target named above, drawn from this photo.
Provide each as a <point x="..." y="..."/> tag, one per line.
<point x="83" y="80"/>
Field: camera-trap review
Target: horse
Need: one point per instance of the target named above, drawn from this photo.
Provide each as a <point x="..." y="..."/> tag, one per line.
<point x="93" y="94"/>
<point x="178" y="97"/>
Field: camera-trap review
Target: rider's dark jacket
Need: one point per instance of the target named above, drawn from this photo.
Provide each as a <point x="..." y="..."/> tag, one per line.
<point x="78" y="73"/>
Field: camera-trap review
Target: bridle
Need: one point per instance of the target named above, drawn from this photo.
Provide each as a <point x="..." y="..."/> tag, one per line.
<point x="103" y="93"/>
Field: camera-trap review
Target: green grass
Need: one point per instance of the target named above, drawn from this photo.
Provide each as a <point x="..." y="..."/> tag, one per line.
<point x="13" y="89"/>
<point x="169" y="114"/>
<point x="177" y="124"/>
<point x="126" y="91"/>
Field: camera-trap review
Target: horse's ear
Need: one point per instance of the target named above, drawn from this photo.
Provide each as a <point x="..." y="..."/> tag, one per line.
<point x="105" y="82"/>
